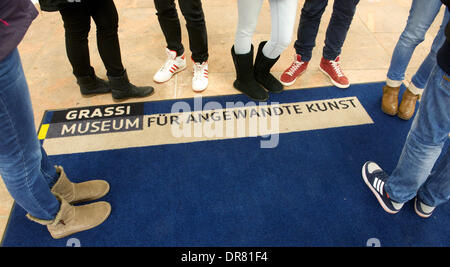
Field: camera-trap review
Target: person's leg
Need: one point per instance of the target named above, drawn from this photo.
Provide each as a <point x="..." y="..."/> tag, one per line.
<point x="343" y="12"/>
<point x="105" y="15"/>
<point x="415" y="89"/>
<point x="248" y="12"/>
<point x="308" y="28"/>
<point x="77" y="24"/>
<point x="21" y="159"/>
<point x="341" y="19"/>
<point x="242" y="50"/>
<point x="425" y="140"/>
<point x="170" y="24"/>
<point x="420" y="78"/>
<point x="106" y="19"/>
<point x="282" y="14"/>
<point x="436" y="189"/>
<point x="421" y="16"/>
<point x="198" y="41"/>
<point x="48" y="169"/>
<point x="195" y="22"/>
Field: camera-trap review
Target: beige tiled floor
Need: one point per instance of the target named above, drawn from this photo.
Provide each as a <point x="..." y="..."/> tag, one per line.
<point x="365" y="57"/>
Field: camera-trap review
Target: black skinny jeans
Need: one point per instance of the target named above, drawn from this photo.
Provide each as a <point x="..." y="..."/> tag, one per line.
<point x="77" y="24"/>
<point x="195" y="22"/>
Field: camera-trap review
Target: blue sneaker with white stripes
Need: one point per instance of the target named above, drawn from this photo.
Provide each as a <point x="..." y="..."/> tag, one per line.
<point x="375" y="178"/>
<point x="422" y="209"/>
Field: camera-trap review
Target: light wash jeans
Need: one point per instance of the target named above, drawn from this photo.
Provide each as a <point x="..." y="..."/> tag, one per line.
<point x="24" y="166"/>
<point x="421" y="16"/>
<point x="424" y="144"/>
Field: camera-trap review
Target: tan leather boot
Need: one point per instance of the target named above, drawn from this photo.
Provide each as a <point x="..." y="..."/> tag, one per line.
<point x="408" y="105"/>
<point x="79" y="192"/>
<point x="73" y="219"/>
<point x="389" y="102"/>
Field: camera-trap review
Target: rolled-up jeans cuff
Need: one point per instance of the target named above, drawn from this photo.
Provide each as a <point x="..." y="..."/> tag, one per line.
<point x="414" y="89"/>
<point x="393" y="83"/>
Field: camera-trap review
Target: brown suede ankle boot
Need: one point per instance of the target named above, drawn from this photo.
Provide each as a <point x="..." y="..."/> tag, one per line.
<point x="408" y="105"/>
<point x="389" y="102"/>
<point x="73" y="219"/>
<point x="79" y="192"/>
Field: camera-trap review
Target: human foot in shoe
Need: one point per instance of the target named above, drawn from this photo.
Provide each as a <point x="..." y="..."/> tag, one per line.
<point x="375" y="178"/>
<point x="200" y="79"/>
<point x="297" y="68"/>
<point x="173" y="65"/>
<point x="333" y="70"/>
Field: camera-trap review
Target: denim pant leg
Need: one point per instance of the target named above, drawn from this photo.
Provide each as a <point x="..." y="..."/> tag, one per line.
<point x="341" y="19"/>
<point x="436" y="189"/>
<point x="424" y="142"/>
<point x="420" y="79"/>
<point x="20" y="150"/>
<point x="421" y="16"/>
<point x="48" y="170"/>
<point x="308" y="28"/>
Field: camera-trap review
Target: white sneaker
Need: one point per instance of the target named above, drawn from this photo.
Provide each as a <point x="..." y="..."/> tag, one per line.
<point x="200" y="79"/>
<point x="173" y="65"/>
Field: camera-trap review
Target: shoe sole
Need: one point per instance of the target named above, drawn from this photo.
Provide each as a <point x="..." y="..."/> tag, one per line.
<point x="178" y="70"/>
<point x="244" y="93"/>
<point x="199" y="91"/>
<point x="288" y="84"/>
<point x="418" y="212"/>
<point x="120" y="99"/>
<point x="377" y="195"/>
<point x="332" y="81"/>
<point x="388" y="113"/>
<point x="405" y="118"/>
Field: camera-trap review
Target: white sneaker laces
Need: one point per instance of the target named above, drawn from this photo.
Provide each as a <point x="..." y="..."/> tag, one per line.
<point x="169" y="62"/>
<point x="294" y="67"/>
<point x="199" y="71"/>
<point x="337" y="68"/>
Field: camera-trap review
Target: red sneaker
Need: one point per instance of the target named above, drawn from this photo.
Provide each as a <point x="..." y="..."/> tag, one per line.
<point x="296" y="69"/>
<point x="333" y="70"/>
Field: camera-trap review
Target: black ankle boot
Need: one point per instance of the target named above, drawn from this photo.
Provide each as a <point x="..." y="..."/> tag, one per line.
<point x="91" y="84"/>
<point x="245" y="79"/>
<point x="263" y="65"/>
<point x="121" y="88"/>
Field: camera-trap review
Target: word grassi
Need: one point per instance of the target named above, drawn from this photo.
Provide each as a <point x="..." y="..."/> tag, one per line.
<point x="100" y="112"/>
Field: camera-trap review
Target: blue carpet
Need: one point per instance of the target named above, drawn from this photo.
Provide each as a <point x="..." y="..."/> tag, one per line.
<point x="307" y="191"/>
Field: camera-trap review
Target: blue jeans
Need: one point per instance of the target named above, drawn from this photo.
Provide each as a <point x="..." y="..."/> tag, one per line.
<point x="24" y="166"/>
<point x="421" y="16"/>
<point x="424" y="144"/>
<point x="341" y="19"/>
